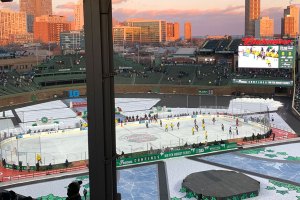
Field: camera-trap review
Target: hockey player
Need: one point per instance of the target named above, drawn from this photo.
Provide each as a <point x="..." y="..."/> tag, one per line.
<point x="222" y="126"/>
<point x="160" y="122"/>
<point x="172" y="126"/>
<point x="193" y="130"/>
<point x="203" y="127"/>
<point x="213" y="120"/>
<point x="166" y="128"/>
<point x="236" y="130"/>
<point x="178" y="124"/>
<point x="197" y="128"/>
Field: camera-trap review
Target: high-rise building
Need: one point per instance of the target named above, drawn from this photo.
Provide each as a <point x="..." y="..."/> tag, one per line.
<point x="152" y="31"/>
<point x="78" y="16"/>
<point x="290" y="22"/>
<point x="11" y="23"/>
<point x="173" y="31"/>
<point x="47" y="28"/>
<point x="126" y="35"/>
<point x="264" y="27"/>
<point x="35" y="8"/>
<point x="187" y="31"/>
<point x="252" y="13"/>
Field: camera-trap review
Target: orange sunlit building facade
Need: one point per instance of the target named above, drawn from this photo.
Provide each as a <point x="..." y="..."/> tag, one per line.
<point x="126" y="35"/>
<point x="290" y="22"/>
<point x="187" y="31"/>
<point x="11" y="23"/>
<point x="252" y="13"/>
<point x="173" y="32"/>
<point x="264" y="27"/>
<point x="47" y="28"/>
<point x="78" y="16"/>
<point x="152" y="31"/>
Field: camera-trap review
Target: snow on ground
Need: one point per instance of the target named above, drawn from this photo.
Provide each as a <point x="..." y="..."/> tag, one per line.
<point x="251" y="105"/>
<point x="55" y="113"/>
<point x="135" y="104"/>
<point x="7" y="113"/>
<point x="177" y="169"/>
<point x="67" y="123"/>
<point x="43" y="106"/>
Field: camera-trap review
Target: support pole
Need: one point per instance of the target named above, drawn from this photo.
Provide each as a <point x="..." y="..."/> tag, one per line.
<point x="100" y="98"/>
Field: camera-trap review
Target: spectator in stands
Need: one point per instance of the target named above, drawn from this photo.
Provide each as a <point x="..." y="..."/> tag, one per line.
<point x="28" y="167"/>
<point x="20" y="166"/>
<point x="67" y="163"/>
<point x="3" y="162"/>
<point x="37" y="166"/>
<point x="14" y="166"/>
<point x="73" y="191"/>
<point x="50" y="167"/>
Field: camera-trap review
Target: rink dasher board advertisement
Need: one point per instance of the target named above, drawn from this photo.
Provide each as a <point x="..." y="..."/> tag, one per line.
<point x="268" y="57"/>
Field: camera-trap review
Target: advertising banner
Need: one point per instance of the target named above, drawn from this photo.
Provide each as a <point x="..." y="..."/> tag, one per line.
<point x="173" y="154"/>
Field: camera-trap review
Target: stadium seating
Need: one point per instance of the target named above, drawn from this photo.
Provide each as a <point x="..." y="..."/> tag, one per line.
<point x="234" y="45"/>
<point x="264" y="73"/>
<point x="11" y="82"/>
<point x="223" y="45"/>
<point x="297" y="95"/>
<point x="211" y="44"/>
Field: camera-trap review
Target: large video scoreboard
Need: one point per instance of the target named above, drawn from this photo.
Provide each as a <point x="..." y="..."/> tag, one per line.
<point x="269" y="57"/>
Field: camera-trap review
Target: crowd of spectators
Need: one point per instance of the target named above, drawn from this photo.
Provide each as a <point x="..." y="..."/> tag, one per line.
<point x="138" y="118"/>
<point x="265" y="73"/>
<point x="3" y="78"/>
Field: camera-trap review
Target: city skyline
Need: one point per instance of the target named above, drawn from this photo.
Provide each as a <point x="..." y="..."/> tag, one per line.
<point x="226" y="19"/>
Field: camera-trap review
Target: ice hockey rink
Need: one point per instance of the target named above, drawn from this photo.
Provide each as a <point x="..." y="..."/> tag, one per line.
<point x="72" y="144"/>
<point x="56" y="147"/>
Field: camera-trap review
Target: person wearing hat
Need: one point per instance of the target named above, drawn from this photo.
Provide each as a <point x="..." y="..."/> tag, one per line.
<point x="73" y="191"/>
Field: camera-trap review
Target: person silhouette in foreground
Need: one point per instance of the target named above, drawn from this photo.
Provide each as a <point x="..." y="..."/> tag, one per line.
<point x="73" y="191"/>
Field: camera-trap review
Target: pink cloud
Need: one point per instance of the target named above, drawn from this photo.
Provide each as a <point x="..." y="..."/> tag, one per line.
<point x="67" y="6"/>
<point x="229" y="20"/>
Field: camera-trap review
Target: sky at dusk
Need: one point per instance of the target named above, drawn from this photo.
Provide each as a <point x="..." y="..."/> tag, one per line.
<point x="213" y="17"/>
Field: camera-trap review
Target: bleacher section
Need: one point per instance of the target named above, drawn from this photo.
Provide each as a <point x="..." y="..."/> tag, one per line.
<point x="233" y="47"/>
<point x="67" y="69"/>
<point x="297" y="95"/>
<point x="11" y="82"/>
<point x="280" y="74"/>
<point x="223" y="46"/>
<point x="210" y="46"/>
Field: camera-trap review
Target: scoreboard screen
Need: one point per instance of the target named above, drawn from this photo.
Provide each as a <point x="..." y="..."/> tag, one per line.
<point x="272" y="57"/>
